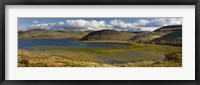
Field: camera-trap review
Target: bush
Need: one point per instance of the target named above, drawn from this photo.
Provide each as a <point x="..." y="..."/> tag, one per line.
<point x="174" y="56"/>
<point x="170" y="42"/>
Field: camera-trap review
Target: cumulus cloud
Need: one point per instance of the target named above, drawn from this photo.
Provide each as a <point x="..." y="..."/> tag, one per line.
<point x="117" y="24"/>
<point x="34" y="22"/>
<point x="158" y="22"/>
<point x="21" y="28"/>
<point x="141" y="23"/>
<point x="87" y="25"/>
<point x="146" y="25"/>
<point x="73" y="25"/>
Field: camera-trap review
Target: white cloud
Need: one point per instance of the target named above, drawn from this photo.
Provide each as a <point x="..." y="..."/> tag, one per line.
<point x="73" y="25"/>
<point x="141" y="23"/>
<point x="35" y="22"/>
<point x="80" y="24"/>
<point x="119" y="24"/>
<point x="21" y="28"/>
<point x="148" y="28"/>
<point x="87" y="25"/>
<point x="39" y="26"/>
<point x="158" y="22"/>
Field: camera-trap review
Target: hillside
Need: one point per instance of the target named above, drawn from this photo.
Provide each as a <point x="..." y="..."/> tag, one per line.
<point x="170" y="35"/>
<point x="49" y="34"/>
<point x="108" y="35"/>
<point x="173" y="36"/>
<point x="146" y="36"/>
<point x="169" y="28"/>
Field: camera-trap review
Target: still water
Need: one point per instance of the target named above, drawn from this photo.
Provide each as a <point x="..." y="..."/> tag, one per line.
<point x="61" y="42"/>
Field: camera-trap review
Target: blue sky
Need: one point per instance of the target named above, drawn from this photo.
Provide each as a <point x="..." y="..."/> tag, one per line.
<point x="95" y="23"/>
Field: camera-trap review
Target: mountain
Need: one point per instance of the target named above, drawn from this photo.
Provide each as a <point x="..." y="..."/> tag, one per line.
<point x="146" y="36"/>
<point x="108" y="35"/>
<point x="169" y="28"/>
<point x="173" y="36"/>
<point x="165" y="35"/>
<point x="50" y="34"/>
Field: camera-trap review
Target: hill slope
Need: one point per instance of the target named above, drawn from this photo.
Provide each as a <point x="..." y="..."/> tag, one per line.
<point x="169" y="28"/>
<point x="108" y="35"/>
<point x="146" y="36"/>
<point x="49" y="34"/>
<point x="173" y="36"/>
<point x="172" y="33"/>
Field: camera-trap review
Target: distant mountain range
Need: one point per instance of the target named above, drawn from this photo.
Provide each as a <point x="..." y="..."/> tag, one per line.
<point x="173" y="35"/>
<point x="169" y="28"/>
<point x="49" y="34"/>
<point x="163" y="35"/>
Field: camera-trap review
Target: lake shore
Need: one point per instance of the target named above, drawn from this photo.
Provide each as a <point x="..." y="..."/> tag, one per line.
<point x="63" y="56"/>
<point x="37" y="59"/>
<point x="107" y="42"/>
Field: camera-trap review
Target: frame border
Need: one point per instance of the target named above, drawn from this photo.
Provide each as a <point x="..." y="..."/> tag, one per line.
<point x="3" y="3"/>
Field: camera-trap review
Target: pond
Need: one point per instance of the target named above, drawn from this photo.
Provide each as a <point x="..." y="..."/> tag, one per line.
<point x="60" y="42"/>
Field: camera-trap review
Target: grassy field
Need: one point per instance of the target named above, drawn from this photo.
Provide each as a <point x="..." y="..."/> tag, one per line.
<point x="49" y="34"/>
<point x="131" y="55"/>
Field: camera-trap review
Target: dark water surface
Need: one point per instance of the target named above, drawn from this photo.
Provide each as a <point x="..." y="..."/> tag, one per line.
<point x="61" y="42"/>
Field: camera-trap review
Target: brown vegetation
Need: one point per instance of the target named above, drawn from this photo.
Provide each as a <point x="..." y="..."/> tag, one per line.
<point x="174" y="56"/>
<point x="42" y="59"/>
<point x="171" y="42"/>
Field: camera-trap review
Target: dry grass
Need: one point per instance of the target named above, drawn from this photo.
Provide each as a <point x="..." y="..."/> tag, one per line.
<point x="171" y="42"/>
<point x="174" y="56"/>
<point x="36" y="59"/>
<point x="42" y="59"/>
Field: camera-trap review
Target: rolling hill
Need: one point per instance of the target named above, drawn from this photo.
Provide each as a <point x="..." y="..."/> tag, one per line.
<point x="50" y="34"/>
<point x="169" y="28"/>
<point x="108" y="35"/>
<point x="166" y="33"/>
<point x="173" y="36"/>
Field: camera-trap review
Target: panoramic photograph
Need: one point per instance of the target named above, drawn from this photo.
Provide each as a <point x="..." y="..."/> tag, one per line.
<point x="99" y="42"/>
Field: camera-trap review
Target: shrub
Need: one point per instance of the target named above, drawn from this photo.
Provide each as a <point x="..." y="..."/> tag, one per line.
<point x="174" y="56"/>
<point x="170" y="42"/>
